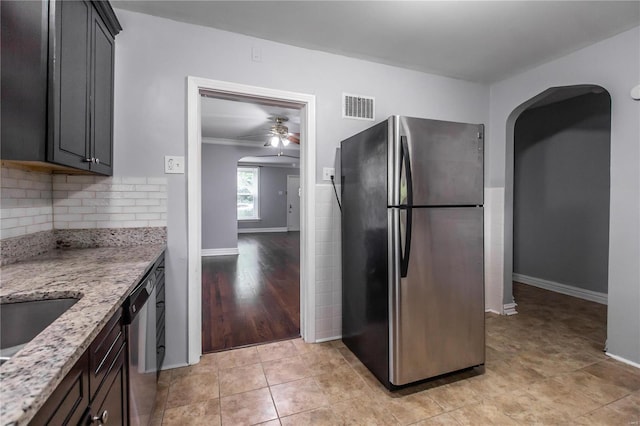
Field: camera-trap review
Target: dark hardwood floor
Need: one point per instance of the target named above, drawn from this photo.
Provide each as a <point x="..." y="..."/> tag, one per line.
<point x="253" y="297"/>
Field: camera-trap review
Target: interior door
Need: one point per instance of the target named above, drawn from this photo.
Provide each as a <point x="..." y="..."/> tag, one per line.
<point x="293" y="203"/>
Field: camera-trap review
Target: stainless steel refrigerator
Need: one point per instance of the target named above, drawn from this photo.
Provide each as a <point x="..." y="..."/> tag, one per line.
<point x="412" y="248"/>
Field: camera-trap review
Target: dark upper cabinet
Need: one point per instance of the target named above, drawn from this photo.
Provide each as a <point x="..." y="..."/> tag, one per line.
<point x="101" y="96"/>
<point x="23" y="76"/>
<point x="74" y="89"/>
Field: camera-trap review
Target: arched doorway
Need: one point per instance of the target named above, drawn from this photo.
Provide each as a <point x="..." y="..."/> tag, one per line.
<point x="557" y="194"/>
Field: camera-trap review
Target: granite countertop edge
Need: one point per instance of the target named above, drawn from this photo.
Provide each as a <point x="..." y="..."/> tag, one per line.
<point x="101" y="278"/>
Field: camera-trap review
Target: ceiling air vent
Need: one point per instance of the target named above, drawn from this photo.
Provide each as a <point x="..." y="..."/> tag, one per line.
<point x="358" y="107"/>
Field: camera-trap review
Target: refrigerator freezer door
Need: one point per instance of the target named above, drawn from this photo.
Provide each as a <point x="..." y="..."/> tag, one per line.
<point x="446" y="161"/>
<point x="437" y="310"/>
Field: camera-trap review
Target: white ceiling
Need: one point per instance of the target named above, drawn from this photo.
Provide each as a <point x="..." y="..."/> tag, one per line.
<point x="231" y="122"/>
<point x="227" y="120"/>
<point x="483" y="41"/>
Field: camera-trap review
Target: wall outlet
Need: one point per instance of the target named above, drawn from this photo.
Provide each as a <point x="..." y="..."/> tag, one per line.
<point x="327" y="172"/>
<point x="173" y="164"/>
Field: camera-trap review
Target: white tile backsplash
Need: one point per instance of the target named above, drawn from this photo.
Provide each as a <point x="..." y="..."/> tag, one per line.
<point x="493" y="247"/>
<point x="328" y="261"/>
<point x="108" y="202"/>
<point x="25" y="203"/>
<point x="34" y="201"/>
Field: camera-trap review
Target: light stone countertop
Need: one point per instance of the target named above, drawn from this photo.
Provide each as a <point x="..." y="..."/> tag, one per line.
<point x="101" y="278"/>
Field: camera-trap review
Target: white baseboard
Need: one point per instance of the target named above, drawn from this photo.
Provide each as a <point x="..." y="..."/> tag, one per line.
<point x="569" y="290"/>
<point x="493" y="311"/>
<point x="623" y="360"/>
<point x="172" y="366"/>
<point x="257" y="230"/>
<point x="220" y="252"/>
<point x="509" y="308"/>
<point x="328" y="339"/>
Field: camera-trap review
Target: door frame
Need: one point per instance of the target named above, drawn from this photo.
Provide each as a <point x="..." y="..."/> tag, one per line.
<point x="300" y="206"/>
<point x="231" y="90"/>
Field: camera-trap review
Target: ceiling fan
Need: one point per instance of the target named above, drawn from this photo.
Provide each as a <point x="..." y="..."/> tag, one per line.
<point x="278" y="135"/>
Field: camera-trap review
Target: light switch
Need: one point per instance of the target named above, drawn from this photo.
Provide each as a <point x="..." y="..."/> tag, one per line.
<point x="173" y="164"/>
<point x="256" y="54"/>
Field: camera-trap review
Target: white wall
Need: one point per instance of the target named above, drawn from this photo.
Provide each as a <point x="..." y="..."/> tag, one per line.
<point x="615" y="65"/>
<point x="153" y="58"/>
<point x="561" y="192"/>
<point x="219" y="211"/>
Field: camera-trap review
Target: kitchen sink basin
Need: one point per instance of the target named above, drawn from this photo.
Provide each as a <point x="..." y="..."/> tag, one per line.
<point x="20" y="322"/>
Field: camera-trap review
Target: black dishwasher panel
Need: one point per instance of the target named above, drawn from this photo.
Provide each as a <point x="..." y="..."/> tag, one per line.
<point x="160" y="313"/>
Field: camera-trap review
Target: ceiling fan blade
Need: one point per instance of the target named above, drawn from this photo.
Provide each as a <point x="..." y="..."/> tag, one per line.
<point x="294" y="137"/>
<point x="256" y="136"/>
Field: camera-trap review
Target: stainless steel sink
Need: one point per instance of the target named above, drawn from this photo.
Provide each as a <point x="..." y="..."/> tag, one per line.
<point x="20" y="322"/>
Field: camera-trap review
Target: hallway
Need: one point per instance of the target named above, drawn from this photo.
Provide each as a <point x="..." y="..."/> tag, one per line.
<point x="253" y="297"/>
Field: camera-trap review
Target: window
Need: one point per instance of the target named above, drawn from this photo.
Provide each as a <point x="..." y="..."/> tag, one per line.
<point x="248" y="198"/>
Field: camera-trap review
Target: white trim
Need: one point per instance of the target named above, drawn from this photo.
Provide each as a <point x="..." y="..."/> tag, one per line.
<point x="172" y="366"/>
<point x="569" y="290"/>
<point x="241" y="142"/>
<point x="256" y="196"/>
<point x="194" y="219"/>
<point x="220" y="252"/>
<point x="328" y="339"/>
<point x="259" y="230"/>
<point x="289" y="228"/>
<point x="509" y="309"/>
<point x="623" y="360"/>
<point x="493" y="311"/>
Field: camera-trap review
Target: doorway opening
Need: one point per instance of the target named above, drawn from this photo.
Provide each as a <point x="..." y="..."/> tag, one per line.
<point x="196" y="186"/>
<point x="558" y="206"/>
<point x="251" y="258"/>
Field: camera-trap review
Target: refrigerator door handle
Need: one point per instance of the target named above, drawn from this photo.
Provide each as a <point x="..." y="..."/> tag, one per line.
<point x="405" y="161"/>
<point x="404" y="261"/>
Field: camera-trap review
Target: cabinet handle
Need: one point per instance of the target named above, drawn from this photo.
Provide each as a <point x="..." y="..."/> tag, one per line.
<point x="97" y="161"/>
<point x="89" y="160"/>
<point x="102" y="418"/>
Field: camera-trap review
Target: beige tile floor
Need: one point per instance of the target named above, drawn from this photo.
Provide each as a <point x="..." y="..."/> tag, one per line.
<point x="544" y="366"/>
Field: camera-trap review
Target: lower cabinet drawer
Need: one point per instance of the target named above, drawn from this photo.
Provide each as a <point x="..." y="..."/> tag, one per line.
<point x="104" y="351"/>
<point x="110" y="403"/>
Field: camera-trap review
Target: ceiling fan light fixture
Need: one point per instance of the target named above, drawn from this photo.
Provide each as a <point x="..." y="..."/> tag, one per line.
<point x="275" y="141"/>
<point x="285" y="141"/>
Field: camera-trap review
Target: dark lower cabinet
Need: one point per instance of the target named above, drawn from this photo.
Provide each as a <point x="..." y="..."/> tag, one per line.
<point x="68" y="405"/>
<point x="109" y="406"/>
<point x="95" y="390"/>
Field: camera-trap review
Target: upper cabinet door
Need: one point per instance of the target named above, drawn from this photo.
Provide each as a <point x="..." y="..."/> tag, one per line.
<point x="102" y="60"/>
<point x="81" y="49"/>
<point x="70" y="83"/>
<point x="24" y="32"/>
